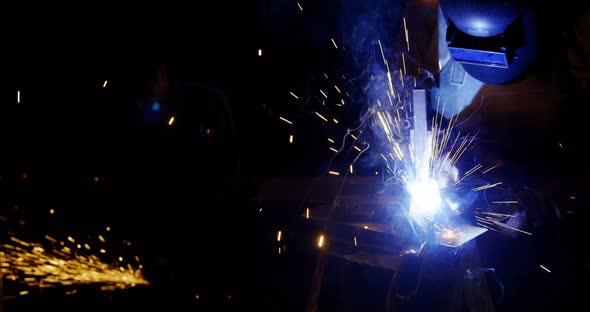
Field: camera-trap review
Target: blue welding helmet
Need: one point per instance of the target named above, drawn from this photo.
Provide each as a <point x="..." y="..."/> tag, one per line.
<point x="494" y="40"/>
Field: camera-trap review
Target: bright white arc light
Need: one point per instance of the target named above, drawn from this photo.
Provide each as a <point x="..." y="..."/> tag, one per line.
<point x="425" y="199"/>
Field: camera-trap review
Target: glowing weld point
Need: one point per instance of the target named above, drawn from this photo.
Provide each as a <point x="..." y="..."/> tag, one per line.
<point x="425" y="198"/>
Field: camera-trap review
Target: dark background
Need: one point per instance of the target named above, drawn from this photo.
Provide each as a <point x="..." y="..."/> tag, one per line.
<point x="186" y="198"/>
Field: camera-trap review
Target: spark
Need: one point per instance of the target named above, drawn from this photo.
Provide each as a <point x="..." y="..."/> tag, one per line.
<point x="37" y="266"/>
<point x="334" y="173"/>
<point x="279" y="254"/>
<point x="472" y="170"/>
<point x="487" y="227"/>
<point x="321" y="241"/>
<point x="306" y="213"/>
<point x="71" y="239"/>
<point x="407" y="35"/>
<point x="509" y="227"/>
<point x="108" y="228"/>
<point x="18" y="96"/>
<point x="104" y="85"/>
<point x="51" y="239"/>
<point x="259" y="52"/>
<point x="291" y="138"/>
<point x="78" y="246"/>
<point x="495" y="214"/>
<point x="324" y="94"/>
<point x="342" y="100"/>
<point x="295" y="96"/>
<point x="404" y="62"/>
<point x="285" y="120"/>
<point x="51" y="211"/>
<point x="366" y="227"/>
<point x="352" y="135"/>
<point x="101" y="238"/>
<point x="279" y="234"/>
<point x="446" y="232"/>
<point x="355" y="242"/>
<point x="491" y="168"/>
<point x="469" y="172"/>
<point x="485" y="187"/>
<point x="439" y="66"/>
<point x="325" y="75"/>
<point x="322" y="117"/>
<point x="333" y="150"/>
<point x="87" y="246"/>
<point x="544" y="268"/>
<point x="299" y="5"/>
<point x="357" y="148"/>
<point x="505" y="202"/>
<point x="350" y="168"/>
<point x="334" y="43"/>
<point x="335" y="120"/>
<point x="102" y="251"/>
<point x="24" y="292"/>
<point x="336" y="87"/>
<point x="384" y="124"/>
<point x="573" y="197"/>
<point x="171" y="121"/>
<point x="330" y="140"/>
